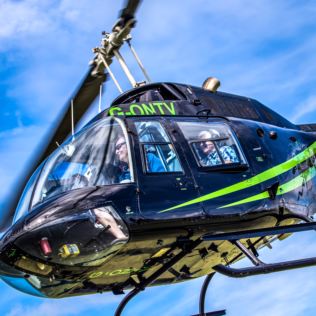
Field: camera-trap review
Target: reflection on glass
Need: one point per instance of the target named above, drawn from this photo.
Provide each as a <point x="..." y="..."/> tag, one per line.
<point x="22" y="285"/>
<point x="89" y="158"/>
<point x="212" y="143"/>
<point x="30" y="265"/>
<point x="105" y="218"/>
<point x="24" y="202"/>
<point x="149" y="132"/>
<point x="159" y="153"/>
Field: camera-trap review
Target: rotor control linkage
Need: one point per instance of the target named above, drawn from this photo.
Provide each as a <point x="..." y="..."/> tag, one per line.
<point x="140" y="64"/>
<point x="110" y="42"/>
<point x="110" y="47"/>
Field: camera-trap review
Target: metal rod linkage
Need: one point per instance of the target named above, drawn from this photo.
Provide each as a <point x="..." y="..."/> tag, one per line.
<point x="110" y="73"/>
<point x="123" y="64"/>
<point x="141" y="66"/>
<point x="247" y="253"/>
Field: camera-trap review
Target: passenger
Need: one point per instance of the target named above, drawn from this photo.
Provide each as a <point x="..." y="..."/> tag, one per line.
<point x="153" y="163"/>
<point x="208" y="148"/>
<point x="122" y="155"/>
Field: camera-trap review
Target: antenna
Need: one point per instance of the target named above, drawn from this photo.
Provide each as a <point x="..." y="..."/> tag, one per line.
<point x="100" y="98"/>
<point x="61" y="148"/>
<point x="72" y="119"/>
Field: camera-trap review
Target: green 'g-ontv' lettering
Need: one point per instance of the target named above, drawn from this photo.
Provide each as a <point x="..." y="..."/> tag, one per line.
<point x="170" y="108"/>
<point x="148" y="109"/>
<point x="115" y="111"/>
<point x="136" y="109"/>
<point x="152" y="108"/>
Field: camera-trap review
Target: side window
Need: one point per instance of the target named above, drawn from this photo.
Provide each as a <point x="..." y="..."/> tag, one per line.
<point x="213" y="144"/>
<point x="158" y="152"/>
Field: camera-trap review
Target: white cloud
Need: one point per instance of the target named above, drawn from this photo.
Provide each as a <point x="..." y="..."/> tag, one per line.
<point x="65" y="307"/>
<point x="306" y="107"/>
<point x="22" y="18"/>
<point x="16" y="146"/>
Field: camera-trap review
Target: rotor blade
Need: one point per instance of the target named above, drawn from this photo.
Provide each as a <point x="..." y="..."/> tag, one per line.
<point x="129" y="10"/>
<point x="127" y="13"/>
<point x="83" y="98"/>
<point x="86" y="93"/>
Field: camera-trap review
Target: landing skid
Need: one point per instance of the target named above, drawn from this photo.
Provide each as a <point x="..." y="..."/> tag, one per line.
<point x="205" y="285"/>
<point x="187" y="246"/>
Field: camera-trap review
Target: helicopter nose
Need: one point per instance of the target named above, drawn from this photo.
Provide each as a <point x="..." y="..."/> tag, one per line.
<point x="46" y="242"/>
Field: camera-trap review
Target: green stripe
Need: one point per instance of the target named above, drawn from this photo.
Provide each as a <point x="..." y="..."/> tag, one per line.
<point x="261" y="177"/>
<point x="257" y="197"/>
<point x="284" y="188"/>
<point x="297" y="181"/>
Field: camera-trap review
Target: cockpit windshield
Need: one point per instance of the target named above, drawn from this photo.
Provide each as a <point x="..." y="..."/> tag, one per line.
<point x="98" y="155"/>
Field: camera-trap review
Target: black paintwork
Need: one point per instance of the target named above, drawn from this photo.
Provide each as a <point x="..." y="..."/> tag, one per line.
<point x="261" y="133"/>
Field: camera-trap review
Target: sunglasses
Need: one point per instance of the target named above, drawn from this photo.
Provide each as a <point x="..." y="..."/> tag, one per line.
<point x="119" y="146"/>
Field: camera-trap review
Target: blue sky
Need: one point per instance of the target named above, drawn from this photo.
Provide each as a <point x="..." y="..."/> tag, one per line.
<point x="262" y="49"/>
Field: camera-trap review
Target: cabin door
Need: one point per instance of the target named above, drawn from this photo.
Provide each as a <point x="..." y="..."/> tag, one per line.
<point x="224" y="168"/>
<point x="164" y="178"/>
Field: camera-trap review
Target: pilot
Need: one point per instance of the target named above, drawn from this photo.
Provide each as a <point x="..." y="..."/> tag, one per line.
<point x="153" y="163"/>
<point x="211" y="155"/>
<point x="122" y="155"/>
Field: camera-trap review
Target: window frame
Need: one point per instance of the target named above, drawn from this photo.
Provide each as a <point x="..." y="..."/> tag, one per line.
<point x="129" y="150"/>
<point x="156" y="143"/>
<point x="237" y="166"/>
<point x="37" y="180"/>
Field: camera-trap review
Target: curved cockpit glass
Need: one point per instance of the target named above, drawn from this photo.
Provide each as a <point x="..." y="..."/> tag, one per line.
<point x="23" y="285"/>
<point x="97" y="155"/>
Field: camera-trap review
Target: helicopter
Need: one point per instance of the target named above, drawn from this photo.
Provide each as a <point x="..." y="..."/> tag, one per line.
<point x="183" y="215"/>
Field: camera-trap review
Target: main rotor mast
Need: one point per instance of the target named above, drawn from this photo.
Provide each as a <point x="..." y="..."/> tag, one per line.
<point x="110" y="47"/>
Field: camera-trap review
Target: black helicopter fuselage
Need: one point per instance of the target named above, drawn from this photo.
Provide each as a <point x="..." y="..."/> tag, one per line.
<point x="61" y="248"/>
